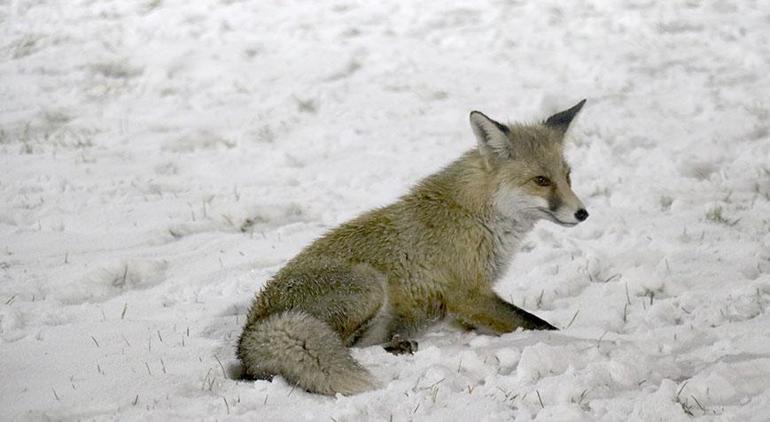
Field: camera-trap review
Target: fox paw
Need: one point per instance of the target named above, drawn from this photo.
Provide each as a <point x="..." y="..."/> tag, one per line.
<point x="399" y="346"/>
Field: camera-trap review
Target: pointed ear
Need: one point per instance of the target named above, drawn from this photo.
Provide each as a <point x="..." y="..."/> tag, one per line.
<point x="561" y="120"/>
<point x="492" y="137"/>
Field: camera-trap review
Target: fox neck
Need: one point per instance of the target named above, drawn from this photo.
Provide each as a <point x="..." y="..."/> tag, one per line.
<point x="468" y="184"/>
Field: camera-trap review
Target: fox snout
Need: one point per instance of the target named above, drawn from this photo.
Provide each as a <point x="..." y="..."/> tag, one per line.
<point x="566" y="215"/>
<point x="581" y="214"/>
<point x="564" y="207"/>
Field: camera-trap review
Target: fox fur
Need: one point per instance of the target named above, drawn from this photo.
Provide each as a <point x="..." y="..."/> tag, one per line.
<point x="433" y="254"/>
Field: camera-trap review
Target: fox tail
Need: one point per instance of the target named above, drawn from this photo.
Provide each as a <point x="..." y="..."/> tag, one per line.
<point x="304" y="350"/>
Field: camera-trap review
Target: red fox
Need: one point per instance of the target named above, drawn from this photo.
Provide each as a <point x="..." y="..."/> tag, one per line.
<point x="433" y="254"/>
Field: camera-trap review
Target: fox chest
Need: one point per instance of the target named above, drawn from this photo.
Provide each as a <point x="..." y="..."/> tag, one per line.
<point x="500" y="243"/>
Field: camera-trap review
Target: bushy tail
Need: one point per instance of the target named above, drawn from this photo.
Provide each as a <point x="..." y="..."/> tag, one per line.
<point x="305" y="351"/>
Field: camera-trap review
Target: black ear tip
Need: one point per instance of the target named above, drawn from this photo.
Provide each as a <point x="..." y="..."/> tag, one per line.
<point x="578" y="106"/>
<point x="562" y="119"/>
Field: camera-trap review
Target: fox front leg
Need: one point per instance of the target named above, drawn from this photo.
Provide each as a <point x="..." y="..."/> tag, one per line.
<point x="488" y="311"/>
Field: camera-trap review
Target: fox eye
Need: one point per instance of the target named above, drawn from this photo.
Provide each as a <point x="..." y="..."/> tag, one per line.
<point x="569" y="179"/>
<point x="542" y="181"/>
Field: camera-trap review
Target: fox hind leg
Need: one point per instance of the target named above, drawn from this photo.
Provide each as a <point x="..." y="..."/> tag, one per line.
<point x="400" y="346"/>
<point x="348" y="298"/>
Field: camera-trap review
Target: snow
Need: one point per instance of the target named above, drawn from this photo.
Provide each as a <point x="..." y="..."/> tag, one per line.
<point x="161" y="159"/>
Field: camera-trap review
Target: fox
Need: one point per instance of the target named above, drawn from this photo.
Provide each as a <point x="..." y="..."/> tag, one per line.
<point x="434" y="254"/>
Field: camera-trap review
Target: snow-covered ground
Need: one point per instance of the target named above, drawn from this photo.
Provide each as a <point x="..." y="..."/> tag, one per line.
<point x="160" y="159"/>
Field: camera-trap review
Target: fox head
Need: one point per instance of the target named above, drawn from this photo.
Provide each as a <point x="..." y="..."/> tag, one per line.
<point x="527" y="167"/>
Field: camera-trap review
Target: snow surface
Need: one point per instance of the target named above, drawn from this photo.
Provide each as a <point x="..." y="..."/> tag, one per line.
<point x="161" y="159"/>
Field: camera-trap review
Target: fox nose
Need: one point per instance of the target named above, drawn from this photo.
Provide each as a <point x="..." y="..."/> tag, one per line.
<point x="581" y="214"/>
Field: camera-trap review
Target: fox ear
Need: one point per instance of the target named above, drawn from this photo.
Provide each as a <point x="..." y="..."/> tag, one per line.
<point x="491" y="136"/>
<point x="561" y="120"/>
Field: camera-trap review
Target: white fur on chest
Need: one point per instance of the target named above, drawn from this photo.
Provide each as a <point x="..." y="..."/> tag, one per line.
<point x="507" y="235"/>
<point x="508" y="228"/>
